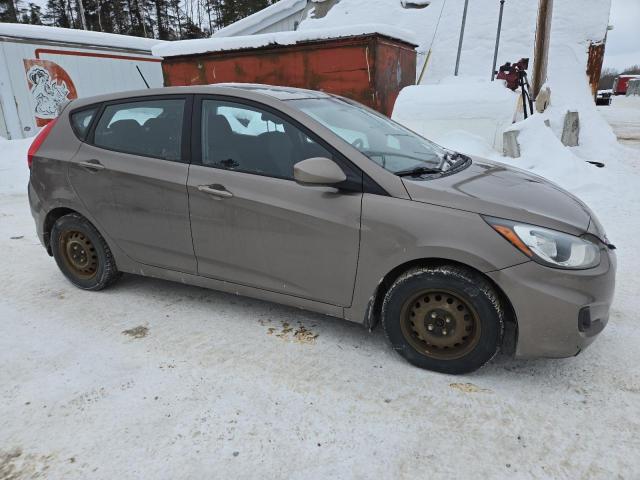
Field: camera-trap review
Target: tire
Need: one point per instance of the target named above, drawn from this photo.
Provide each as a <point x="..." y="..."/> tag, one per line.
<point x="82" y="254"/>
<point x="447" y="319"/>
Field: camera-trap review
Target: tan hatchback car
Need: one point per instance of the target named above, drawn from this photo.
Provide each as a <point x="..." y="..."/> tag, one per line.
<point x="315" y="201"/>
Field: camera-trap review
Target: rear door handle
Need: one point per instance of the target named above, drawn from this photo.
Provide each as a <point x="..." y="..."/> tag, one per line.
<point x="215" y="190"/>
<point x="92" y="165"/>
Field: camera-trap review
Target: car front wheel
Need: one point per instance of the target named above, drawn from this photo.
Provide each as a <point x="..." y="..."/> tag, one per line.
<point x="445" y="318"/>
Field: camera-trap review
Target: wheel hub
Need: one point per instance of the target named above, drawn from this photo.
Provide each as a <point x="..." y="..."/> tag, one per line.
<point x="440" y="324"/>
<point x="79" y="254"/>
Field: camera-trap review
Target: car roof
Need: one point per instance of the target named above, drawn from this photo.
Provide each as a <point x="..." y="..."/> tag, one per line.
<point x="282" y="93"/>
<point x="242" y="90"/>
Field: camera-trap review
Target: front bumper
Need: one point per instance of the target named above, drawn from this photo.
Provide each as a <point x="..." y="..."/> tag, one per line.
<point x="559" y="312"/>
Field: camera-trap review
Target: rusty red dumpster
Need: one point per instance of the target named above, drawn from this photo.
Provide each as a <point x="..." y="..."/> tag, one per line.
<point x="370" y="68"/>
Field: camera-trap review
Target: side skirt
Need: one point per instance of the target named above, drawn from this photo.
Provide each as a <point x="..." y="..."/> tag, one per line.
<point x="234" y="288"/>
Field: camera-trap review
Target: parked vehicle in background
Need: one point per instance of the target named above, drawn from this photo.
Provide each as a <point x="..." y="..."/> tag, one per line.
<point x="633" y="87"/>
<point x="312" y="200"/>
<point x="621" y="83"/>
<point x="604" y="97"/>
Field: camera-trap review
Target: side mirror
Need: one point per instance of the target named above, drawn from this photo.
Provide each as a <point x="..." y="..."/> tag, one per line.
<point x="318" y="171"/>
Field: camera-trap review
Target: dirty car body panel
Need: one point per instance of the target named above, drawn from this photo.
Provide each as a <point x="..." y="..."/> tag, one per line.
<point x="327" y="249"/>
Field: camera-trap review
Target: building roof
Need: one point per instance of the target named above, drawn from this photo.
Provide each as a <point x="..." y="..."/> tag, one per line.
<point x="86" y="38"/>
<point x="207" y="45"/>
<point x="262" y="19"/>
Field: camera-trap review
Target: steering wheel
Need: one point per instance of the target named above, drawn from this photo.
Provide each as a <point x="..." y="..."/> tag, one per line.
<point x="358" y="143"/>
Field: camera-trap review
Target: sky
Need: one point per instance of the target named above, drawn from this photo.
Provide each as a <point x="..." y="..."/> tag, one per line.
<point x="623" y="42"/>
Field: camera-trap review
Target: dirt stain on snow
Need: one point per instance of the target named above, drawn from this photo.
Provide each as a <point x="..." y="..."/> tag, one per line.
<point x="137" y="332"/>
<point x="86" y="399"/>
<point x="16" y="465"/>
<point x="299" y="334"/>
<point x="469" y="388"/>
<point x="302" y="335"/>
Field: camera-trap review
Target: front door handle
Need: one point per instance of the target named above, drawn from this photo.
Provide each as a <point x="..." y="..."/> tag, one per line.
<point x="92" y="165"/>
<point x="215" y="190"/>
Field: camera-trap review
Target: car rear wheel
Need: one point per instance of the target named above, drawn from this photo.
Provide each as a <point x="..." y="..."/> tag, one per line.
<point x="445" y="318"/>
<point x="82" y="254"/>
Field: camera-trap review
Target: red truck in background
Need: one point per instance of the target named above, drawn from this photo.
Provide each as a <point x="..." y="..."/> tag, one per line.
<point x="621" y="83"/>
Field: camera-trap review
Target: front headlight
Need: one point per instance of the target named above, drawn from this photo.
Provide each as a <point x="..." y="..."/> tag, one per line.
<point x="548" y="247"/>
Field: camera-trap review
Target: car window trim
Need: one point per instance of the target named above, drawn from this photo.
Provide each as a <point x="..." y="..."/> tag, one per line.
<point x="185" y="146"/>
<point x="196" y="135"/>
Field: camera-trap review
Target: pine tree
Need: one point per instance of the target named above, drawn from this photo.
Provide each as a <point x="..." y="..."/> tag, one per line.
<point x="119" y="18"/>
<point x="234" y="10"/>
<point x="191" y="30"/>
<point x="161" y="8"/>
<point x="8" y="11"/>
<point x="164" y="19"/>
<point x="56" y="14"/>
<point x="32" y="14"/>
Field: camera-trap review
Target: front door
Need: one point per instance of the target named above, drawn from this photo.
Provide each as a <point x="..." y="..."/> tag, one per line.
<point x="132" y="179"/>
<point x="252" y="224"/>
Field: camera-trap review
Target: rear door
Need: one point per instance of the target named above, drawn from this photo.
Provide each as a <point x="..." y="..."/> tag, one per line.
<point x="252" y="223"/>
<point x="131" y="175"/>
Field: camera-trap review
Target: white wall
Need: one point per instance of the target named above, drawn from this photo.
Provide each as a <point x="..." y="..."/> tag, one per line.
<point x="3" y="125"/>
<point x="285" y="25"/>
<point x="91" y="75"/>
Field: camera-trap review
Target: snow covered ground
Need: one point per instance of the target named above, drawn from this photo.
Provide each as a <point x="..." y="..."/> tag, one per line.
<point x="152" y="379"/>
<point x="624" y="117"/>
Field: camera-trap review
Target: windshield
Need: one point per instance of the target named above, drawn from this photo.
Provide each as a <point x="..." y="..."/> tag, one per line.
<point x="387" y="143"/>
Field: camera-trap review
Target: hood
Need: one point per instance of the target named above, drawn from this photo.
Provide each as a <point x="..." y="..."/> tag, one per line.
<point x="506" y="192"/>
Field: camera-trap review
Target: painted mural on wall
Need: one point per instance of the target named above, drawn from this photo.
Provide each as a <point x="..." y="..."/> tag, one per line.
<point x="50" y="86"/>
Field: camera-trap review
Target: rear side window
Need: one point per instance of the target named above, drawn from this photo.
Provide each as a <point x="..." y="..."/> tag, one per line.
<point x="80" y="121"/>
<point x="149" y="128"/>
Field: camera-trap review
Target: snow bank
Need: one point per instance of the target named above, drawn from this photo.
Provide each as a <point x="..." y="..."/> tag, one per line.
<point x="482" y="21"/>
<point x="544" y="154"/>
<point x="468" y="113"/>
<point x="14" y="173"/>
<point x="571" y="34"/>
<point x="68" y="35"/>
<point x="478" y="107"/>
<point x="214" y="44"/>
<point x="437" y="26"/>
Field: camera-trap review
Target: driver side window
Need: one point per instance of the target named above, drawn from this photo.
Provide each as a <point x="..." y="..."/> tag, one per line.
<point x="247" y="139"/>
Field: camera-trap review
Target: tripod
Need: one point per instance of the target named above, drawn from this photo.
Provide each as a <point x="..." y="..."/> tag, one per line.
<point x="527" y="101"/>
<point x="515" y="76"/>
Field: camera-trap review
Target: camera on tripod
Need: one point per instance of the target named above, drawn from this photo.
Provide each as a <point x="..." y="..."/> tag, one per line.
<point x="512" y="72"/>
<point x="515" y="76"/>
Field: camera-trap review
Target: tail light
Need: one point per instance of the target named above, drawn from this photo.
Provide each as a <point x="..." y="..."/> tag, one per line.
<point x="37" y="142"/>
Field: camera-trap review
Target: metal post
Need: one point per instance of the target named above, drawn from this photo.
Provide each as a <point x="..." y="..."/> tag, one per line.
<point x="495" y="53"/>
<point x="464" y="21"/>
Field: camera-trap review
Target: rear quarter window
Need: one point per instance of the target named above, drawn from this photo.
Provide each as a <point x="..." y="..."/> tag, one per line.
<point x="81" y="121"/>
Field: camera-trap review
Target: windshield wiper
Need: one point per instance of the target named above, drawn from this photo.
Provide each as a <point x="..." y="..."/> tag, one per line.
<point x="417" y="171"/>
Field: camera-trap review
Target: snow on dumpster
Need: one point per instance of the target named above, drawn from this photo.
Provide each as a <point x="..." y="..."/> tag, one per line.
<point x="368" y="63"/>
<point x="43" y="67"/>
